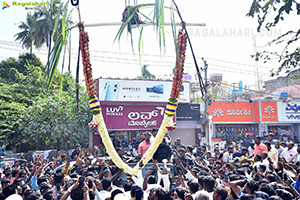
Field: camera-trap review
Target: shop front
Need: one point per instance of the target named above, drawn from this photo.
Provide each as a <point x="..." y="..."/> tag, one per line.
<point x="280" y="118"/>
<point x="288" y="120"/>
<point x="188" y="124"/>
<point x="233" y="120"/>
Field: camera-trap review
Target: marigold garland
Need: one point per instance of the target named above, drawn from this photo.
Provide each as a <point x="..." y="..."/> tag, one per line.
<point x="87" y="71"/>
<point x="178" y="74"/>
<point x="95" y="107"/>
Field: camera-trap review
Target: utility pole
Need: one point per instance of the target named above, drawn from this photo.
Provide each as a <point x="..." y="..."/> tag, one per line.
<point x="207" y="135"/>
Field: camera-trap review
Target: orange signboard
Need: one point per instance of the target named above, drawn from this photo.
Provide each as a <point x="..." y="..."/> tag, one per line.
<point x="228" y="111"/>
<point x="256" y="111"/>
<point x="269" y="111"/>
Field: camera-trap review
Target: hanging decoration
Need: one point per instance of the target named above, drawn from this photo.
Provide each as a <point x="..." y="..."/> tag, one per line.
<point x="98" y="122"/>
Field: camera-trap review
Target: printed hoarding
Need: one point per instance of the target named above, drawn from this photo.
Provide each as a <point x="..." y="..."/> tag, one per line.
<point x="133" y="116"/>
<point x="289" y="112"/>
<point x="139" y="90"/>
<point x="188" y="112"/>
<point x="228" y="111"/>
<point x="269" y="111"/>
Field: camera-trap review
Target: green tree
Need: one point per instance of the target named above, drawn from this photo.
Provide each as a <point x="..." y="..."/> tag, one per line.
<point x="262" y="8"/>
<point x="20" y="85"/>
<point x="146" y="74"/>
<point x="27" y="36"/>
<point x="15" y="70"/>
<point x="54" y="122"/>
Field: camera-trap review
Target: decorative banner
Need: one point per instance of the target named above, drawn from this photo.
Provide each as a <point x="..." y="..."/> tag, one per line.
<point x="228" y="111"/>
<point x="269" y="111"/>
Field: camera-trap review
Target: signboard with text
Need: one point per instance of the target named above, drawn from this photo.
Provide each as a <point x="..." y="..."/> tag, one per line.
<point x="269" y="111"/>
<point x="188" y="112"/>
<point x="289" y="112"/>
<point x="228" y="111"/>
<point x="139" y="90"/>
<point x="132" y="117"/>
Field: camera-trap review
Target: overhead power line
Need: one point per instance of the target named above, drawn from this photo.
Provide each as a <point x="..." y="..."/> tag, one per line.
<point x="129" y="61"/>
<point x="148" y="55"/>
<point x="107" y="59"/>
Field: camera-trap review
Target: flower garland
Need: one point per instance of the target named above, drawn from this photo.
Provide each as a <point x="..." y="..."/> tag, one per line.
<point x="178" y="74"/>
<point x="95" y="107"/>
<point x="87" y="71"/>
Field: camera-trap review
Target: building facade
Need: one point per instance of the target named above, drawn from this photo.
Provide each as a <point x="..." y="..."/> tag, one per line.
<point x="237" y="119"/>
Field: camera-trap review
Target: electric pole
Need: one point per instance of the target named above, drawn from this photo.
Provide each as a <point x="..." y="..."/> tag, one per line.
<point x="206" y="101"/>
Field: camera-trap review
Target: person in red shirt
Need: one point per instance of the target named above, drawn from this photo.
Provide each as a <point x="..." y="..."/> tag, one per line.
<point x="143" y="147"/>
<point x="259" y="147"/>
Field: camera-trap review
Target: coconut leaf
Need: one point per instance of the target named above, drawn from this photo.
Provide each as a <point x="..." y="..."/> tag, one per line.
<point x="62" y="68"/>
<point x="70" y="47"/>
<point x="58" y="47"/>
<point x="51" y="65"/>
<point x="63" y="22"/>
<point x="57" y="20"/>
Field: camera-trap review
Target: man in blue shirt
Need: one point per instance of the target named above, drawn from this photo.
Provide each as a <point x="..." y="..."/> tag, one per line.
<point x="270" y="139"/>
<point x="2" y="149"/>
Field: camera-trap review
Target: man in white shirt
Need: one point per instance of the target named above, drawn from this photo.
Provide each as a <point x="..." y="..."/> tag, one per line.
<point x="251" y="149"/>
<point x="227" y="157"/>
<point x="265" y="161"/>
<point x="257" y="161"/>
<point x="106" y="192"/>
<point x="289" y="154"/>
<point x="273" y="153"/>
<point x="208" y="185"/>
<point x="279" y="148"/>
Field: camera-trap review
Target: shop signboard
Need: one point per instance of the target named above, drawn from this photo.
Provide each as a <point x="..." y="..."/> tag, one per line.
<point x="139" y="90"/>
<point x="269" y="111"/>
<point x="132" y="116"/>
<point x="249" y="133"/>
<point x="188" y="112"/>
<point x="289" y="112"/>
<point x="228" y="111"/>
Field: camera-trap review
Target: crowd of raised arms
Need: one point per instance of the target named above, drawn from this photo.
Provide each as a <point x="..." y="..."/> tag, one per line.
<point x="263" y="169"/>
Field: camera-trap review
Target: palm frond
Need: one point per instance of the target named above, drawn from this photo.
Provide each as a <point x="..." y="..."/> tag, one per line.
<point x="63" y="64"/>
<point x="53" y="61"/>
<point x="56" y="21"/>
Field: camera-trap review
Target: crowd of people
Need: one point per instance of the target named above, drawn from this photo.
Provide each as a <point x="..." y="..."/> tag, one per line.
<point x="266" y="169"/>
